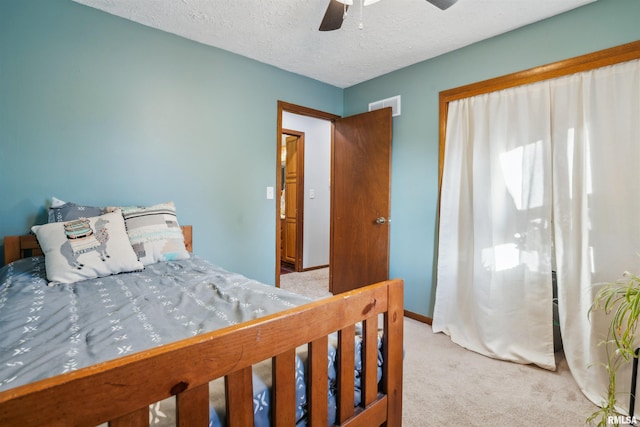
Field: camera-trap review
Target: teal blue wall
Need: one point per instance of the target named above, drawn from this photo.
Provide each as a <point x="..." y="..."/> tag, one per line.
<point x="599" y="25"/>
<point x="99" y="110"/>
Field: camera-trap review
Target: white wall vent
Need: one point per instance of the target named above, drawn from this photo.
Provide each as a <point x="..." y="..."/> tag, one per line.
<point x="393" y="102"/>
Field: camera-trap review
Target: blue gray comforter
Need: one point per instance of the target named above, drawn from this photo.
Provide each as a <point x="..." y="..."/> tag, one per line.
<point x="52" y="330"/>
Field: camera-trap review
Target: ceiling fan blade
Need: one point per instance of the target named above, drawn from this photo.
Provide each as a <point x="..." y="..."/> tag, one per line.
<point x="442" y="4"/>
<point x="333" y="17"/>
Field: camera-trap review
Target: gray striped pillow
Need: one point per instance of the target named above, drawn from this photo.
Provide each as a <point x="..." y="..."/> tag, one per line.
<point x="154" y="233"/>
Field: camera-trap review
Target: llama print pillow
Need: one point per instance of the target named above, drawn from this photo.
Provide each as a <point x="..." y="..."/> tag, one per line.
<point x="86" y="248"/>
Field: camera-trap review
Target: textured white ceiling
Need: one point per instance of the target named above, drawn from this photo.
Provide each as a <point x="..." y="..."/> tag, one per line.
<point x="284" y="33"/>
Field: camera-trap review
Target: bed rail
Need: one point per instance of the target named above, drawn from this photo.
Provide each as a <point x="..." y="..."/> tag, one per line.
<point x="120" y="391"/>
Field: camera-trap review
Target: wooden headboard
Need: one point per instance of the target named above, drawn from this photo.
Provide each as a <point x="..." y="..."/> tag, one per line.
<point x="18" y="247"/>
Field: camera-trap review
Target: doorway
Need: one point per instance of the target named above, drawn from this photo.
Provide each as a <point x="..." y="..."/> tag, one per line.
<point x="358" y="170"/>
<point x="312" y="189"/>
<point x="291" y="200"/>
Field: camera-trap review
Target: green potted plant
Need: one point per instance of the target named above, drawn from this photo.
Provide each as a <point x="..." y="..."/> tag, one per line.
<point x="622" y="299"/>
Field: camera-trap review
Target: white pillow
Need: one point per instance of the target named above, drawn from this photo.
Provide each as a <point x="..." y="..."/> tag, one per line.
<point x="86" y="248"/>
<point x="154" y="233"/>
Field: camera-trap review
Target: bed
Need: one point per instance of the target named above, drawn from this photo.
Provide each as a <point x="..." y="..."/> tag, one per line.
<point x="361" y="331"/>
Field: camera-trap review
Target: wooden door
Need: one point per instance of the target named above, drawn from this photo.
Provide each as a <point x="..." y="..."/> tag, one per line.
<point x="360" y="200"/>
<point x="290" y="238"/>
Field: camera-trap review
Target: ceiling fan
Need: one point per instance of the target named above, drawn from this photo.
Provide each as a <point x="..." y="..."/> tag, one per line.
<point x="337" y="11"/>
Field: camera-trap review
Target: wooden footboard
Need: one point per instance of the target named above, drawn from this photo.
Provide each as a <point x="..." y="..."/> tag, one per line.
<point x="121" y="390"/>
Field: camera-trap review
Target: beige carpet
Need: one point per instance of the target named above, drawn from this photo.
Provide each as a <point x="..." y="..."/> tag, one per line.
<point x="446" y="385"/>
<point x="312" y="283"/>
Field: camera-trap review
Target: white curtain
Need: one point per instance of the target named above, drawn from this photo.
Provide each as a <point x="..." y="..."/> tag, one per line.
<point x="596" y="158"/>
<point x="494" y="293"/>
<point x="542" y="171"/>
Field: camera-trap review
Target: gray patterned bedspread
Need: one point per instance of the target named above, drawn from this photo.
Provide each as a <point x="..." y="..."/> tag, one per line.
<point x="52" y="330"/>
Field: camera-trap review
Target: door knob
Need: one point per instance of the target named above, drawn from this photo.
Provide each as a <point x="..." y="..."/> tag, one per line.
<point x="380" y="220"/>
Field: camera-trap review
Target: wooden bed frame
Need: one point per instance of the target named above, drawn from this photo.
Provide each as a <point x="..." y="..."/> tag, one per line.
<point x="120" y="391"/>
<point x="18" y="247"/>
